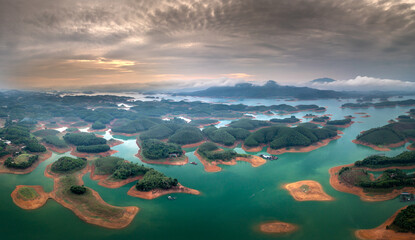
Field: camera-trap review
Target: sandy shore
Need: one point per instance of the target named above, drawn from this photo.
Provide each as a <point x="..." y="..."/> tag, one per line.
<point x="278" y="227"/>
<point x="314" y="192"/>
<point x="31" y="204"/>
<point x="381" y="233"/>
<point x="365" y="116"/>
<point x="160" y="192"/>
<point x="348" y="188"/>
<point x="303" y="149"/>
<point x="383" y="148"/>
<point x="124" y="134"/>
<point x="253" y="149"/>
<point x="42" y="157"/>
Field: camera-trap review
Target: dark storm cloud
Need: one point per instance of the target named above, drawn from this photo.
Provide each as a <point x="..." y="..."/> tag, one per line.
<point x="284" y="40"/>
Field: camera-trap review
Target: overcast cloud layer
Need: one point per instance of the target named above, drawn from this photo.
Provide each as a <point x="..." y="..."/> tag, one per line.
<point x="157" y="44"/>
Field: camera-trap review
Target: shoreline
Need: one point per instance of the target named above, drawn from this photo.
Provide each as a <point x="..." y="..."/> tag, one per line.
<point x="364" y="196"/>
<point x="383" y="148"/>
<point x="155" y="193"/>
<point x="315" y="192"/>
<point x="381" y="232"/>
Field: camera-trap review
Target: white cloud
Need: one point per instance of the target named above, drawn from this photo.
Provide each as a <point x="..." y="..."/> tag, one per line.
<point x="365" y="83"/>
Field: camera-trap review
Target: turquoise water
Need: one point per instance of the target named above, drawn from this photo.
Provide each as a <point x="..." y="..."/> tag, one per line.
<point x="233" y="202"/>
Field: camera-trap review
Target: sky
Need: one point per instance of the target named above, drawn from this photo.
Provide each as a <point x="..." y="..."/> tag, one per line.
<point x="177" y="44"/>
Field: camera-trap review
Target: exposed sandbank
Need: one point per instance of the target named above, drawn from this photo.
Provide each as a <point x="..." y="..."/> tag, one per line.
<point x="278" y="227"/>
<point x="307" y="190"/>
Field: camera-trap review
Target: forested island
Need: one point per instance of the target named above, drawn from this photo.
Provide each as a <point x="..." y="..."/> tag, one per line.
<point x="210" y="155"/>
<point x="356" y="178"/>
<point x="409" y="102"/>
<point x="392" y="135"/>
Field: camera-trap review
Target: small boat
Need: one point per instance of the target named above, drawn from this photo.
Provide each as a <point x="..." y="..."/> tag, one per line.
<point x="194" y="163"/>
<point x="171" y="198"/>
<point x="268" y="157"/>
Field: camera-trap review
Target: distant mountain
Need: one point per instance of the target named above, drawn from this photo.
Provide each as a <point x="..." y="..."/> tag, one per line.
<point x="269" y="90"/>
<point x="323" y="80"/>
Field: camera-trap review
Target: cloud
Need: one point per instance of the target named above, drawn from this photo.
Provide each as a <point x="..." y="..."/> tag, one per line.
<point x="364" y="83"/>
<point x="286" y="40"/>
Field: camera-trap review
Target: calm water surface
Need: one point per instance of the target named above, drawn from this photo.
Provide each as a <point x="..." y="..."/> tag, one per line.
<point x="233" y="202"/>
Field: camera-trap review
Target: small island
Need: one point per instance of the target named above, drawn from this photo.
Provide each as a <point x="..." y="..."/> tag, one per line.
<point x="356" y="178"/>
<point x="303" y="138"/>
<point x="307" y="190"/>
<point x="393" y="135"/>
<point x="210" y="155"/>
<point x="29" y="197"/>
<point x="155" y="184"/>
<point x="278" y="227"/>
<point x="400" y="226"/>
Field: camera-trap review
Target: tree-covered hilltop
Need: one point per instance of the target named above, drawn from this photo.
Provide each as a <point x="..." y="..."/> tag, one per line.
<point x="226" y="135"/>
<point x="99" y="148"/>
<point x="280" y="137"/>
<point x="389" y="134"/>
<point x="153" y="179"/>
<point x="136" y="126"/>
<point x="404" y="221"/>
<point x="118" y="168"/>
<point x="68" y="164"/>
<point x="321" y="119"/>
<point x="212" y="152"/>
<point x="291" y="119"/>
<point x="46" y="132"/>
<point x="249" y="124"/>
<point x="409" y="102"/>
<point x="83" y="139"/>
<point x="380" y="161"/>
<point x="21" y="161"/>
<point x="186" y="135"/>
<point x="269" y="90"/>
<point x="155" y="149"/>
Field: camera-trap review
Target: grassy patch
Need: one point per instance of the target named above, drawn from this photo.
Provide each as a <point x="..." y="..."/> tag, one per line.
<point x="22" y="158"/>
<point x="27" y="193"/>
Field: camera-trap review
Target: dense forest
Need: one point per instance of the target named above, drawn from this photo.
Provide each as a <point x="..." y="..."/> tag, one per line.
<point x="226" y="135"/>
<point x="155" y="149"/>
<point x="405" y="220"/>
<point x="389" y="134"/>
<point x="380" y="161"/>
<point x="68" y="164"/>
<point x="19" y="134"/>
<point x="153" y="179"/>
<point x="280" y="137"/>
<point x="118" y="168"/>
<point x="289" y="120"/>
<point x="339" y="122"/>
